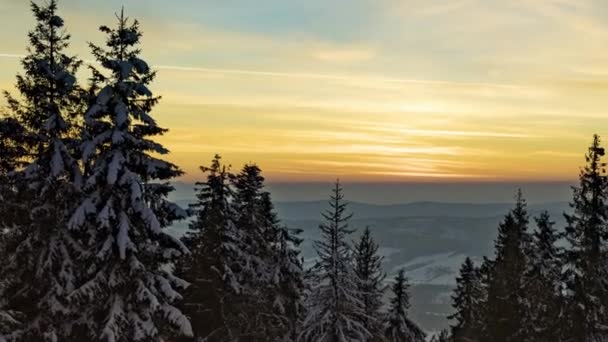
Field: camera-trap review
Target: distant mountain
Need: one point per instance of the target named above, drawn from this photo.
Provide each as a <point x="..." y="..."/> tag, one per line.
<point x="313" y="209"/>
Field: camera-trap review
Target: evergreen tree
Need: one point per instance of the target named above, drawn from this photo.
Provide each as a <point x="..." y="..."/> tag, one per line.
<point x="398" y="327"/>
<point x="255" y="274"/>
<point x="287" y="285"/>
<point x="43" y="179"/>
<point x="543" y="285"/>
<point x="467" y="302"/>
<point x="335" y="312"/>
<point x="368" y="267"/>
<point x="127" y="292"/>
<point x="506" y="302"/>
<point x="486" y="276"/>
<point x="213" y="265"/>
<point x="443" y="336"/>
<point x="586" y="275"/>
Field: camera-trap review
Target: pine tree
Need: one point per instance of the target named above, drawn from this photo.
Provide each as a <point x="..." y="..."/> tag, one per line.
<point x="368" y="267"/>
<point x="586" y="275"/>
<point x="467" y="301"/>
<point x="335" y="312"/>
<point x="398" y="327"/>
<point x="443" y="336"/>
<point x="255" y="275"/>
<point x="543" y="285"/>
<point x="213" y="265"/>
<point x="127" y="292"/>
<point x="44" y="180"/>
<point x="506" y="303"/>
<point x="486" y="278"/>
<point x="287" y="284"/>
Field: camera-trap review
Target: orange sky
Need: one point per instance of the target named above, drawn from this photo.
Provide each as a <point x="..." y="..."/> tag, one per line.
<point x="436" y="90"/>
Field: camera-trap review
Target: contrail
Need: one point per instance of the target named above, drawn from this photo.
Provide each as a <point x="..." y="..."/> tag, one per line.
<point x="300" y="75"/>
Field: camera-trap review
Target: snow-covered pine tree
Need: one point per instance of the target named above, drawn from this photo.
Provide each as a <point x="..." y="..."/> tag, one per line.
<point x="38" y="268"/>
<point x="213" y="265"/>
<point x="127" y="293"/>
<point x="335" y="311"/>
<point x="287" y="284"/>
<point x="586" y="263"/>
<point x="544" y="285"/>
<point x="506" y="301"/>
<point x="467" y="301"/>
<point x="368" y="267"/>
<point x="443" y="336"/>
<point x="256" y="272"/>
<point x="398" y="326"/>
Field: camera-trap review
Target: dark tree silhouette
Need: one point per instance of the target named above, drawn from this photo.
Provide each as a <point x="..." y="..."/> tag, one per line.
<point x="398" y="327"/>
<point x="368" y="267"/>
<point x="585" y="275"/>
<point x="468" y="303"/>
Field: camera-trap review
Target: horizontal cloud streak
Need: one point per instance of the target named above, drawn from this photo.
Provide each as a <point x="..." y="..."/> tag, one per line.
<point x="393" y="91"/>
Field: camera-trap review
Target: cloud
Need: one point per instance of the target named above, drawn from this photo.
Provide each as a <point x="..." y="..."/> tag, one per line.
<point x="344" y="55"/>
<point x="11" y="55"/>
<point x="433" y="7"/>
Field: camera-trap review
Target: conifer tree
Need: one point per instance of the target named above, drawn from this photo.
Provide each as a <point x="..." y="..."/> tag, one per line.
<point x="467" y="302"/>
<point x="443" y="336"/>
<point x="127" y="292"/>
<point x="544" y="286"/>
<point x="586" y="275"/>
<point x="486" y="277"/>
<point x="398" y="326"/>
<point x="287" y="285"/>
<point x="213" y="265"/>
<point x="335" y="311"/>
<point x="44" y="179"/>
<point x="255" y="275"/>
<point x="368" y="267"/>
<point x="506" y="304"/>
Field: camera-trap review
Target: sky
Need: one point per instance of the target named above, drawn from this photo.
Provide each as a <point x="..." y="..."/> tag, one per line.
<point x="367" y="91"/>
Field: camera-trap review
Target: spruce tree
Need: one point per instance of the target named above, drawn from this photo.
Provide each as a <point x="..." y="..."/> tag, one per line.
<point x="368" y="267"/>
<point x="486" y="276"/>
<point x="467" y="302"/>
<point x="398" y="326"/>
<point x="335" y="311"/>
<point x="43" y="179"/>
<point x="287" y="284"/>
<point x="544" y="286"/>
<point x="506" y="303"/>
<point x="213" y="265"/>
<point x="586" y="275"/>
<point x="127" y="292"/>
<point x="443" y="336"/>
<point x="255" y="274"/>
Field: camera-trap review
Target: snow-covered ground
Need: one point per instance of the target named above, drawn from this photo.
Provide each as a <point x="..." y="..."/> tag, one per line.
<point x="436" y="269"/>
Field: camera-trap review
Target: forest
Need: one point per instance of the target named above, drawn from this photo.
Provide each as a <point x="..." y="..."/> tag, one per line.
<point x="86" y="256"/>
